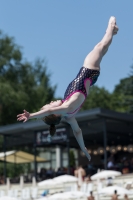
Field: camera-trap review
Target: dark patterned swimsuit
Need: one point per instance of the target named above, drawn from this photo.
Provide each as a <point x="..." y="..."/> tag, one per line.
<point x="79" y="83"/>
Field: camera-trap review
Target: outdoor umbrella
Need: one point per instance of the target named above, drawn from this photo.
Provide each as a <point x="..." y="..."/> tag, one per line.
<point x="48" y="183"/>
<point x="19" y="157"/>
<point x="61" y="196"/>
<point x="66" y="179"/>
<point x="68" y="195"/>
<point x="110" y="190"/>
<point x="7" y="198"/>
<point x="105" y="174"/>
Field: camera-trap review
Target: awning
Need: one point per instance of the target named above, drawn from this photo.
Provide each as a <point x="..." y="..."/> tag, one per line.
<point x="19" y="157"/>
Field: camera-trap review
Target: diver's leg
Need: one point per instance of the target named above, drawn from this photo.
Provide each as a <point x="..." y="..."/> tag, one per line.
<point x="94" y="58"/>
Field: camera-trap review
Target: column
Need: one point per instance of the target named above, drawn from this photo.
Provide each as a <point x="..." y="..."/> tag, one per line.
<point x="4" y="149"/>
<point x="58" y="157"/>
<point x="35" y="154"/>
<point x="105" y="143"/>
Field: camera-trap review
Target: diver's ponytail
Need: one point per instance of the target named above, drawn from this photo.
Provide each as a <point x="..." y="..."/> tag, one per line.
<point x="52" y="129"/>
<point x="52" y="120"/>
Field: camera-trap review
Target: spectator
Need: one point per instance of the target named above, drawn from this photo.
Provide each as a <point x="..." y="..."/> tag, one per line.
<point x="91" y="169"/>
<point x="42" y="174"/>
<point x="87" y="179"/>
<point x="80" y="174"/>
<point x="60" y="171"/>
<point x="126" y="197"/>
<point x="2" y="181"/>
<point x="110" y="164"/>
<point x="49" y="173"/>
<point x="115" y="196"/>
<point x="72" y="170"/>
<point x="119" y="165"/>
<point x="91" y="197"/>
<point x="45" y="193"/>
<point x="126" y="167"/>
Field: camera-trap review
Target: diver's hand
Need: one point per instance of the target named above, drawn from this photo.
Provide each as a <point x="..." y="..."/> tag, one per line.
<point x="24" y="116"/>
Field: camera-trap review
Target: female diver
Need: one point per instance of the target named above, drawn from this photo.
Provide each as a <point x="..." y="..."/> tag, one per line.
<point x="77" y="90"/>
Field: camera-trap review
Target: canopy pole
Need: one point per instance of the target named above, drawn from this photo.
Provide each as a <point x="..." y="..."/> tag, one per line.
<point x="14" y="164"/>
<point x="4" y="149"/>
<point x="35" y="152"/>
<point x="105" y="143"/>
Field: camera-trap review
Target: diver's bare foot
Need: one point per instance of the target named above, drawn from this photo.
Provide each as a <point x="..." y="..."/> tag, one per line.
<point x="112" y="22"/>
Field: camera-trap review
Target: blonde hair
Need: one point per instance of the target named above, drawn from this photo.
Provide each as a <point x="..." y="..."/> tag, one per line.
<point x="52" y="120"/>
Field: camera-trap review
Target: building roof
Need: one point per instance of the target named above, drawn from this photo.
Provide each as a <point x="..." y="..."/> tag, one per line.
<point x="92" y="114"/>
<point x="92" y="123"/>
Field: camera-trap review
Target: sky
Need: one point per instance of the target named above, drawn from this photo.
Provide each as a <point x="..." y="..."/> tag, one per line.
<point x="63" y="32"/>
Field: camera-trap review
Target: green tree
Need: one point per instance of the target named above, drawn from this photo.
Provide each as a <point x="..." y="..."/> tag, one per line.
<point x="98" y="97"/>
<point x="123" y="92"/>
<point x="23" y="85"/>
<point x="129" y="92"/>
<point x="71" y="158"/>
<point x="14" y="170"/>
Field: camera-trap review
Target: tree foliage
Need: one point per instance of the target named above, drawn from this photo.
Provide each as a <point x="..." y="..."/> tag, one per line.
<point x="124" y="91"/>
<point x="23" y="85"/>
<point x="98" y="97"/>
<point x="121" y="99"/>
<point x="71" y="158"/>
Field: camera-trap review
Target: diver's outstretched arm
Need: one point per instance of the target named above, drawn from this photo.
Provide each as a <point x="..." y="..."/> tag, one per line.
<point x="25" y="116"/>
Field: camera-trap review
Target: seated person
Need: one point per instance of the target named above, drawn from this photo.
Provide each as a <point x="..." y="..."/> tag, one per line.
<point x="91" y="197"/>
